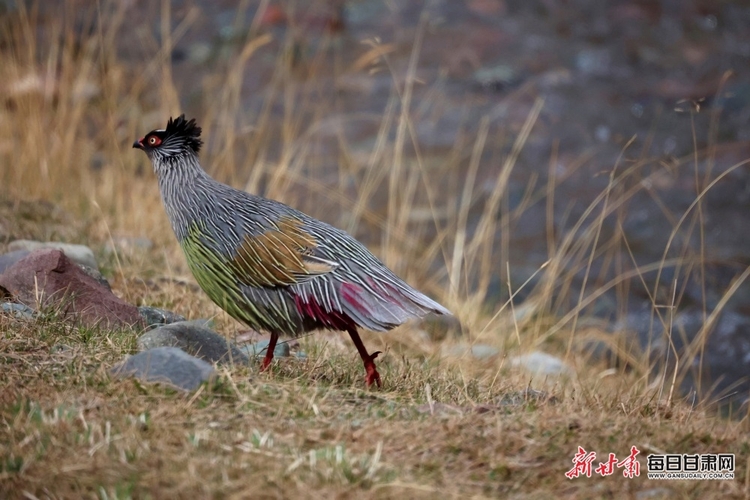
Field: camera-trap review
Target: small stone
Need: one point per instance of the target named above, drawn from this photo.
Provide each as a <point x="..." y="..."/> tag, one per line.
<point x="300" y="354"/>
<point x="259" y="349"/>
<point x="477" y="351"/>
<point x="541" y="363"/>
<point x="194" y="339"/>
<point x="496" y="77"/>
<point x="60" y="348"/>
<point x="484" y="351"/>
<point x="155" y="316"/>
<point x="18" y="311"/>
<point x="77" y="253"/>
<point x="168" y="365"/>
<point x="95" y="274"/>
<point x="199" y="52"/>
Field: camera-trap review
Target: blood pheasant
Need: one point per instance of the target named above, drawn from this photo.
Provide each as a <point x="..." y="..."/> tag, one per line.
<point x="268" y="265"/>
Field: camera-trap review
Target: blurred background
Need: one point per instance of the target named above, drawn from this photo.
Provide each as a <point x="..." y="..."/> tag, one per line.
<point x="568" y="176"/>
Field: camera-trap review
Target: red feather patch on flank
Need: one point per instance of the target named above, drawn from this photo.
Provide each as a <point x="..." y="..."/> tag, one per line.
<point x="391" y="292"/>
<point x="350" y="293"/>
<point x="328" y="319"/>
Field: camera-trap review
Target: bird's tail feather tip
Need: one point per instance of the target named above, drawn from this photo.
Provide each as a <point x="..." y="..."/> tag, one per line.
<point x="435" y="307"/>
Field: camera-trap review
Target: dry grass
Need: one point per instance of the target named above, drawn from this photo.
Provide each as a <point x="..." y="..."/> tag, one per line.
<point x="438" y="428"/>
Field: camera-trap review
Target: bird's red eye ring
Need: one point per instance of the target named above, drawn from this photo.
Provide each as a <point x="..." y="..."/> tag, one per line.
<point x="154" y="141"/>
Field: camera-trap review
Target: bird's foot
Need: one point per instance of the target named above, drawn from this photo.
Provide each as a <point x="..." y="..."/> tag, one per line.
<point x="266" y="362"/>
<point x="372" y="375"/>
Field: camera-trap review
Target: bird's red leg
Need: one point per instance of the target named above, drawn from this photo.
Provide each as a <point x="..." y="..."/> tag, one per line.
<point x="368" y="359"/>
<point x="269" y="352"/>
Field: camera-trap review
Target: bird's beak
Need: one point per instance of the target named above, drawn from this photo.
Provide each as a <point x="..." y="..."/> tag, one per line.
<point x="138" y="144"/>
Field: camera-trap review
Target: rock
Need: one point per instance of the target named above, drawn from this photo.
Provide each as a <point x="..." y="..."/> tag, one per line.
<point x="483" y="351"/>
<point x="259" y="349"/>
<point x="496" y="77"/>
<point x="95" y="274"/>
<point x="477" y="351"/>
<point x="10" y="258"/>
<point x="19" y="311"/>
<point x="78" y="253"/>
<point x="154" y="316"/>
<point x="49" y="279"/>
<point x="194" y="339"/>
<point x="541" y="363"/>
<point x="168" y="365"/>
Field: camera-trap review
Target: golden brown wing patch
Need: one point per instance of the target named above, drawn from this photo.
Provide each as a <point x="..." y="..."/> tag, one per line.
<point x="279" y="256"/>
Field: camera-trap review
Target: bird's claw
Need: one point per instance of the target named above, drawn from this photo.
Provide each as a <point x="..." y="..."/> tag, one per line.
<point x="372" y="375"/>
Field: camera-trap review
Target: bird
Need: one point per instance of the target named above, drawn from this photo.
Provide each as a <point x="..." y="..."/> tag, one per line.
<point x="270" y="266"/>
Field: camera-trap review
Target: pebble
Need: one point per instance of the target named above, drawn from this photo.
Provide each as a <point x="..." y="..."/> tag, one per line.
<point x="195" y="339"/>
<point x="477" y="351"/>
<point x="541" y="363"/>
<point x="18" y="311"/>
<point x="495" y="77"/>
<point x="155" y="316"/>
<point x="80" y="254"/>
<point x="259" y="349"/>
<point x="168" y="365"/>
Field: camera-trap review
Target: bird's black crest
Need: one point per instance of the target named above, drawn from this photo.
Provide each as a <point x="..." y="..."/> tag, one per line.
<point x="187" y="130"/>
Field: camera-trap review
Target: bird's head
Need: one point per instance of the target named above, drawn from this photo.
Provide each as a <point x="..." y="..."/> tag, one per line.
<point x="178" y="139"/>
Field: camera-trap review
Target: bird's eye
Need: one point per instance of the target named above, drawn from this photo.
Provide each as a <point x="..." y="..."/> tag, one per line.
<point x="154" y="141"/>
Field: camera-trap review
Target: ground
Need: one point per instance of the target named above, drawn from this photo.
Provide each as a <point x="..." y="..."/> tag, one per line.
<point x="466" y="176"/>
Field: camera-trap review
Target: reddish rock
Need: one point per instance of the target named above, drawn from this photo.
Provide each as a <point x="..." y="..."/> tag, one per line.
<point x="49" y="279"/>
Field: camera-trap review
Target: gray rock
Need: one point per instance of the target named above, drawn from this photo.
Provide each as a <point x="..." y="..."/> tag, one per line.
<point x="477" y="351"/>
<point x="495" y="77"/>
<point x="484" y="351"/>
<point x="155" y="316"/>
<point x="95" y="274"/>
<point x="19" y="311"/>
<point x="202" y="322"/>
<point x="259" y="349"/>
<point x="77" y="253"/>
<point x="10" y="258"/>
<point x="168" y="365"/>
<point x="541" y="363"/>
<point x="194" y="339"/>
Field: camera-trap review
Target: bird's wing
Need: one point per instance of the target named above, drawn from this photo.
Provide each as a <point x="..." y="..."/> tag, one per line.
<point x="280" y="256"/>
